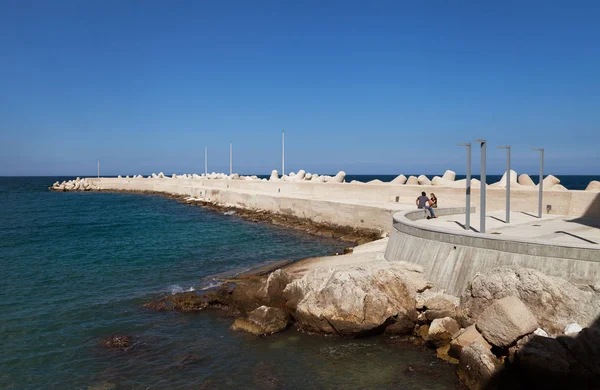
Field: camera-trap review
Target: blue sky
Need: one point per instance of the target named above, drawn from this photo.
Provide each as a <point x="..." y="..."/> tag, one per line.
<point x="367" y="87"/>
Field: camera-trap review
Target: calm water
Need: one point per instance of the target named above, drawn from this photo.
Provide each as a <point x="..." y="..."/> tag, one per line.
<point x="76" y="268"/>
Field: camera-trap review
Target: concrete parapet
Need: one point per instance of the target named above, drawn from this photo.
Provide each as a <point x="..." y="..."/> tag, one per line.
<point x="451" y="258"/>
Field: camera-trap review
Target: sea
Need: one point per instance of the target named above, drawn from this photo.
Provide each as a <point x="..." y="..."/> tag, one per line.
<point x="78" y="267"/>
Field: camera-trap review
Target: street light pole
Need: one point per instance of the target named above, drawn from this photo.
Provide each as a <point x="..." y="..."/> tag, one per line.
<point x="98" y="169"/>
<point x="282" y="153"/>
<point x="468" y="187"/>
<point x="507" y="147"/>
<point x="482" y="186"/>
<point x="206" y="160"/>
<point x="541" y="184"/>
<point x="230" y="159"/>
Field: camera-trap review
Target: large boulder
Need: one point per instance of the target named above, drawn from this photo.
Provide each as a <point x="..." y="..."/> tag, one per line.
<point x="449" y="175"/>
<point x="477" y="366"/>
<point x="439" y="306"/>
<point x="274" y="175"/>
<point x="263" y="321"/>
<point x="273" y="288"/>
<point x="593" y="186"/>
<point x="525" y="180"/>
<point x="554" y="302"/>
<point x="354" y="299"/>
<point x="400" y="179"/>
<point x="505" y="321"/>
<point x="442" y="330"/>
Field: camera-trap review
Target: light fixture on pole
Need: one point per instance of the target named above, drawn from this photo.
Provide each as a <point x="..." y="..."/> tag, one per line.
<point x="507" y="147"/>
<point x="282" y="153"/>
<point x="541" y="183"/>
<point x="482" y="186"/>
<point x="468" y="187"/>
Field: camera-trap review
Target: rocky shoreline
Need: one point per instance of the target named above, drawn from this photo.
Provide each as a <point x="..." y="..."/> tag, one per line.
<point x="511" y="326"/>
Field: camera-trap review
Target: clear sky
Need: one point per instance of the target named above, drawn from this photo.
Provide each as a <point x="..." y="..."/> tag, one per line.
<point x="367" y="87"/>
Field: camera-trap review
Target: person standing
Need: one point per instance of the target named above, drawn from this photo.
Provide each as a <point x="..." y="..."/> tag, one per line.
<point x="423" y="202"/>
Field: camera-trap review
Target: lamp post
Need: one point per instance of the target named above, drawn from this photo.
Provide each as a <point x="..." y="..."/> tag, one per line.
<point x="98" y="169"/>
<point x="282" y="153"/>
<point x="468" y="187"/>
<point x="541" y="184"/>
<point x="507" y="147"/>
<point x="482" y="187"/>
<point x="206" y="160"/>
<point x="230" y="159"/>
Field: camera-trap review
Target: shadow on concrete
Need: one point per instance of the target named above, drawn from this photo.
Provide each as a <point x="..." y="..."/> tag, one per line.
<point x="576" y="236"/>
<point x="531" y="215"/>
<point x="591" y="216"/>
<point x="546" y="363"/>
<point x="462" y="225"/>
<point x="497" y="219"/>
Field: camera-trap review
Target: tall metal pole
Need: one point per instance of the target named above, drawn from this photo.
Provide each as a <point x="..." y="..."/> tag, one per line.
<point x="507" y="181"/>
<point x="282" y="153"/>
<point x="98" y="169"/>
<point x="541" y="184"/>
<point x="483" y="185"/>
<point x="468" y="187"/>
<point x="230" y="159"/>
<point x="206" y="161"/>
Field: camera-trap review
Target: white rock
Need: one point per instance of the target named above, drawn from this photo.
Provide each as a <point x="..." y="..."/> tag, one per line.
<point x="300" y="175"/>
<point x="572" y="329"/>
<point x="540" y="332"/>
<point x="423" y="180"/>
<point x="449" y="175"/>
<point x="338" y="178"/>
<point x="513" y="179"/>
<point x="593" y="186"/>
<point x="525" y="180"/>
<point x="400" y="179"/>
<point x="308" y="176"/>
<point x="412" y="181"/>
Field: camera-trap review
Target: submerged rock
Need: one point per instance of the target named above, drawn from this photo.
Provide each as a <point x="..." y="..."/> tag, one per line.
<point x="263" y="321"/>
<point x="120" y="342"/>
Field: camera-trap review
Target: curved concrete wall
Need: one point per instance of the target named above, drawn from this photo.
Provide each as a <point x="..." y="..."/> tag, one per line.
<point x="451" y="258"/>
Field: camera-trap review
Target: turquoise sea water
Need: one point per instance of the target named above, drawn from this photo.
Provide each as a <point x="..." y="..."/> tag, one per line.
<point x="77" y="267"/>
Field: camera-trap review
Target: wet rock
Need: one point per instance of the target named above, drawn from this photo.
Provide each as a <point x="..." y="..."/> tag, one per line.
<point x="268" y="376"/>
<point x="354" y="299"/>
<point x="477" y="366"/>
<point x="505" y="321"/>
<point x="120" y="342"/>
<point x="441" y="331"/>
<point x="273" y="289"/>
<point x="263" y="321"/>
<point x="403" y="324"/>
<point x="464" y="338"/>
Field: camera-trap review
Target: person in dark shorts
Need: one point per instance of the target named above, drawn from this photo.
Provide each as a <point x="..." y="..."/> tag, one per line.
<point x="423" y="202"/>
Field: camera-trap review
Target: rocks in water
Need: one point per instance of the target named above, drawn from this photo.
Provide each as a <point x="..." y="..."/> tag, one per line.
<point x="449" y="175"/>
<point x="554" y="302"/>
<point x="273" y="289"/>
<point x="505" y="321"/>
<point x="593" y="186"/>
<point x="412" y="181"/>
<point x="74" y="185"/>
<point x="464" y="338"/>
<point x="274" y="175"/>
<point x="120" y="342"/>
<point x="423" y="180"/>
<point x="477" y="366"/>
<point x="354" y="299"/>
<point x="525" y="180"/>
<point x="400" y="179"/>
<point x="442" y="330"/>
<point x="263" y="321"/>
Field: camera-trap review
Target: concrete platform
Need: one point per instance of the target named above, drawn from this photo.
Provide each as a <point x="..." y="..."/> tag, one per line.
<point x="555" y="229"/>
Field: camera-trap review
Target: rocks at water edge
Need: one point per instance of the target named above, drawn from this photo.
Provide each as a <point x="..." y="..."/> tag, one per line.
<point x="441" y="331"/>
<point x="505" y="321"/>
<point x="119" y="342"/>
<point x="351" y="300"/>
<point x="464" y="338"/>
<point x="74" y="185"/>
<point x="477" y="366"/>
<point x="263" y="321"/>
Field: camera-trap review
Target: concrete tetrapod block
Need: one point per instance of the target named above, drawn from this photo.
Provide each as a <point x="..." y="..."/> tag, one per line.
<point x="449" y="175"/>
<point x="513" y="179"/>
<point x="338" y="178"/>
<point x="525" y="180"/>
<point x="376" y="181"/>
<point x="300" y="175"/>
<point x="593" y="186"/>
<point x="274" y="175"/>
<point x="400" y="179"/>
<point x="441" y="182"/>
<point x="505" y="321"/>
<point x="412" y="181"/>
<point x="423" y="180"/>
<point x="550" y="181"/>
